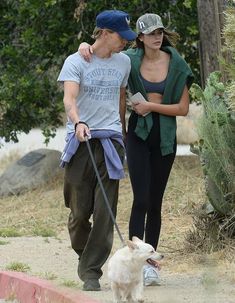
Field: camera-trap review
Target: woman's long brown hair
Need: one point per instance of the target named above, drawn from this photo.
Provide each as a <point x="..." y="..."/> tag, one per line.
<point x="169" y="39"/>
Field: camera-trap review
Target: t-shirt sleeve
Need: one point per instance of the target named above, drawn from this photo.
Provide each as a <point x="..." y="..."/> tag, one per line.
<point x="128" y="69"/>
<point x="70" y="71"/>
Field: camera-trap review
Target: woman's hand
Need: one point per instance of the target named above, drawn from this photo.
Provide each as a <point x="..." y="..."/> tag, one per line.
<point x="86" y="51"/>
<point x="141" y="108"/>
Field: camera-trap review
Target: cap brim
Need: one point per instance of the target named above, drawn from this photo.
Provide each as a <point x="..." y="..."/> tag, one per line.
<point x="128" y="35"/>
<point x="151" y="29"/>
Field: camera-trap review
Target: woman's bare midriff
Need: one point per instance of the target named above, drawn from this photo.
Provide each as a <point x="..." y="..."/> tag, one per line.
<point x="154" y="98"/>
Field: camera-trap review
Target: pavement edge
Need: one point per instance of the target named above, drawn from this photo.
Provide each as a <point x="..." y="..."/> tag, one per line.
<point x="29" y="289"/>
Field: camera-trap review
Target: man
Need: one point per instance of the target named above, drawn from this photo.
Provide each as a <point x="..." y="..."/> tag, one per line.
<point x="94" y="100"/>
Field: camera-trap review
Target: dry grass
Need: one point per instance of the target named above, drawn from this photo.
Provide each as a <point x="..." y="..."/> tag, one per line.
<point x="40" y="209"/>
<point x="209" y="234"/>
<point x="35" y="212"/>
<point x="44" y="207"/>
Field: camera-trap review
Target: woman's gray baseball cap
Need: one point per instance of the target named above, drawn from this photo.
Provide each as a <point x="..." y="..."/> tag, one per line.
<point x="148" y="23"/>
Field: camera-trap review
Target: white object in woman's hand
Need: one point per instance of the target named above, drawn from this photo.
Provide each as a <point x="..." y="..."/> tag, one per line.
<point x="136" y="100"/>
<point x="141" y="108"/>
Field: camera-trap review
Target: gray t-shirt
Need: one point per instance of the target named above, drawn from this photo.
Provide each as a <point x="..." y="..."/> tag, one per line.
<point x="99" y="88"/>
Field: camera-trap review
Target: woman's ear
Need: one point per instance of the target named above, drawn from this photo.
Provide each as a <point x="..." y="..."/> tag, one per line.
<point x="140" y="37"/>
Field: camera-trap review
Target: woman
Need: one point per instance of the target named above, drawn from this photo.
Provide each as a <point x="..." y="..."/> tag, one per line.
<point x="163" y="78"/>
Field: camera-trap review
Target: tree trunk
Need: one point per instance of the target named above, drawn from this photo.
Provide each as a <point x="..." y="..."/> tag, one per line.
<point x="211" y="20"/>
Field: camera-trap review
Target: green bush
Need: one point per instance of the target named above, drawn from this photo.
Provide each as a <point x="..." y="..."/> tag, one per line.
<point x="35" y="38"/>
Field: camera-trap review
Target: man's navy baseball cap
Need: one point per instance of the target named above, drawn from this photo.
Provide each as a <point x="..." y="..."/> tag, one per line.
<point x="117" y="21"/>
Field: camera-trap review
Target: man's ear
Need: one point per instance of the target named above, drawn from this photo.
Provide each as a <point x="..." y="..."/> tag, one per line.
<point x="131" y="245"/>
<point x="105" y="33"/>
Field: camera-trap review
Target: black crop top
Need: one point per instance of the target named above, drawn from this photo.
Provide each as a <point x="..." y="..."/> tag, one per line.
<point x="153" y="87"/>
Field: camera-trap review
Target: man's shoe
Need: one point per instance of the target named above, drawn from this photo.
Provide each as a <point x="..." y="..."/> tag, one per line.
<point x="91" y="285"/>
<point x="151" y="276"/>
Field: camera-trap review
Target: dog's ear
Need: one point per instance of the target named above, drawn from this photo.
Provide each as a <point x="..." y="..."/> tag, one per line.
<point x="136" y="239"/>
<point x="131" y="245"/>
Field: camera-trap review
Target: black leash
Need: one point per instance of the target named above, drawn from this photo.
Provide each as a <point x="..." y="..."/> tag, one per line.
<point x="103" y="191"/>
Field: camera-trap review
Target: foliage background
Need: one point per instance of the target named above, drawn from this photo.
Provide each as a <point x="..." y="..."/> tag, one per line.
<point x="35" y="38"/>
<point x="216" y="130"/>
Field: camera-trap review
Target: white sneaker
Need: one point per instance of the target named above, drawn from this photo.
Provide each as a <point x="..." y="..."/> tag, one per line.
<point x="151" y="276"/>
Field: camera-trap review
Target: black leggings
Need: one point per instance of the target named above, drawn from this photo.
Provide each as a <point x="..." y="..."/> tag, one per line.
<point x="149" y="172"/>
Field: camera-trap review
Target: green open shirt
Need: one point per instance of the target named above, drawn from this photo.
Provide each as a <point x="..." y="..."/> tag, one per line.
<point x="179" y="75"/>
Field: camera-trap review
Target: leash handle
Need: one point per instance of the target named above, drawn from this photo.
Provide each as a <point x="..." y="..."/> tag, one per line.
<point x="103" y="191"/>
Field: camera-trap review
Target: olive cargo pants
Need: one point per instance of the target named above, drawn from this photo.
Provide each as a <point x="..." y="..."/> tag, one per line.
<point x="90" y="225"/>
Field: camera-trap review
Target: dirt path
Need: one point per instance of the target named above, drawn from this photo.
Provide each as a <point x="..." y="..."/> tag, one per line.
<point x="54" y="259"/>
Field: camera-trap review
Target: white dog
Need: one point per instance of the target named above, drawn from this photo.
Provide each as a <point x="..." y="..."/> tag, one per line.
<point x="125" y="270"/>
